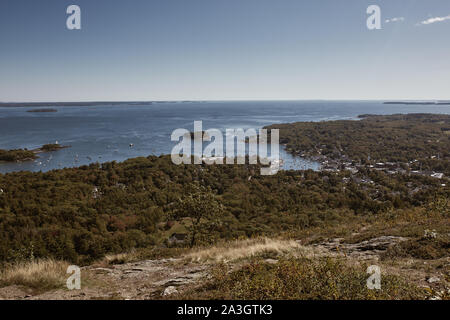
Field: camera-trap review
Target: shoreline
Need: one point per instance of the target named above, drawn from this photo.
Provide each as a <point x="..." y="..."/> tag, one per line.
<point x="419" y="103"/>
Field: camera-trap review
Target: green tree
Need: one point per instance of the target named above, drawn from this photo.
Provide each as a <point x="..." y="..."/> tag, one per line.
<point x="203" y="210"/>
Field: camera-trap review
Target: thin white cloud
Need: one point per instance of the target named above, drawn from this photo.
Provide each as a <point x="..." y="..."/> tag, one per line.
<point x="434" y="20"/>
<point x="396" y="19"/>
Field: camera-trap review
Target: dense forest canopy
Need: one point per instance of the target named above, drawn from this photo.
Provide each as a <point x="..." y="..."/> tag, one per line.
<point x="80" y="214"/>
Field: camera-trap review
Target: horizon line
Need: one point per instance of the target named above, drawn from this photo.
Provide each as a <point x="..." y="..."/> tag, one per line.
<point x="212" y="100"/>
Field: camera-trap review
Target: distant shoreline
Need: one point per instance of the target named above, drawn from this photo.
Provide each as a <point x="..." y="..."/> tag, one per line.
<point x="420" y="103"/>
<point x="87" y="104"/>
<point x="71" y="104"/>
<point x="149" y="103"/>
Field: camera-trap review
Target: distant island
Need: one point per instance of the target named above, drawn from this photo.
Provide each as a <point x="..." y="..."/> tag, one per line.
<point x="88" y="103"/>
<point x="72" y="104"/>
<point x="420" y="103"/>
<point x="204" y="135"/>
<point x="20" y="155"/>
<point x="43" y="110"/>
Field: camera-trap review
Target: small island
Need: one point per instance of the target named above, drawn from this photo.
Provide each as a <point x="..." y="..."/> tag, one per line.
<point x="204" y="135"/>
<point x="43" y="110"/>
<point x="50" y="147"/>
<point x="20" y="155"/>
<point x="17" y="155"/>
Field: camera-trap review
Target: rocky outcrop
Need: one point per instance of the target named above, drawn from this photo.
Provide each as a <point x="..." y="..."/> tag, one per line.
<point x="368" y="249"/>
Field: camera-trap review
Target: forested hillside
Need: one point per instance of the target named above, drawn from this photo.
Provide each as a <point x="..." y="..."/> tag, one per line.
<point x="80" y="214"/>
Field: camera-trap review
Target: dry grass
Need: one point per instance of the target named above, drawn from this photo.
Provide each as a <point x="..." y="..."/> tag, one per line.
<point x="38" y="274"/>
<point x="121" y="258"/>
<point x="299" y="279"/>
<point x="239" y="249"/>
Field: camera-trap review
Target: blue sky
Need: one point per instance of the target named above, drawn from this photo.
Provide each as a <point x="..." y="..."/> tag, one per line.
<point x="224" y="50"/>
